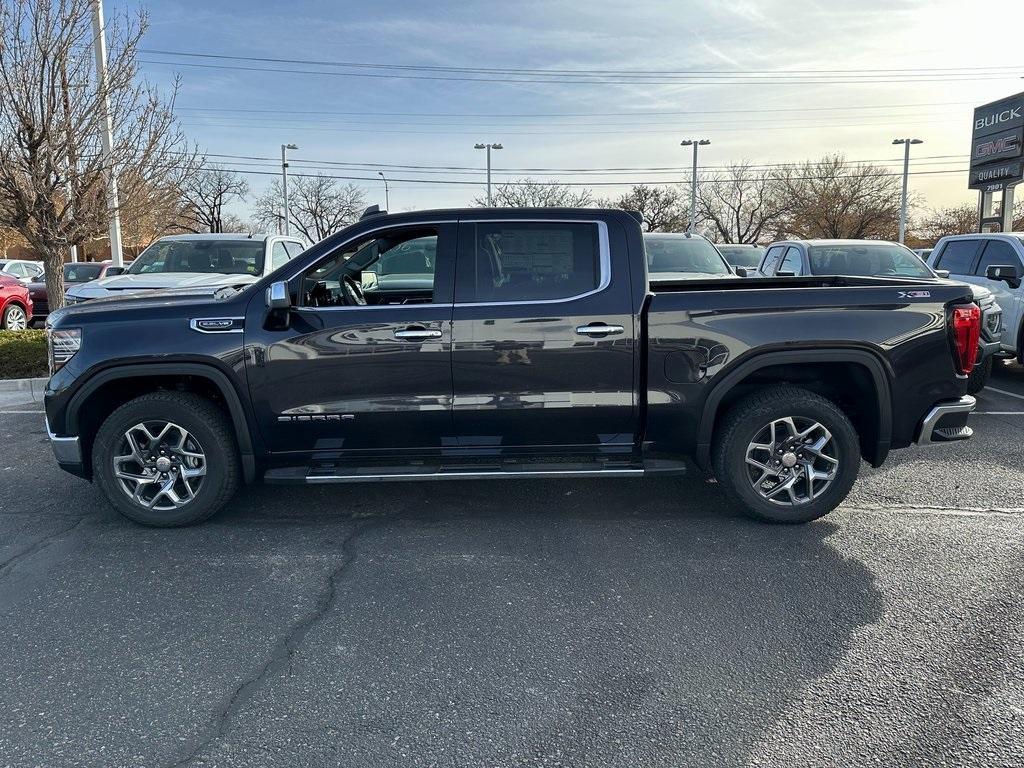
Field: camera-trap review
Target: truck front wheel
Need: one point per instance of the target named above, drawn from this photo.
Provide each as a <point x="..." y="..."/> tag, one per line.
<point x="166" y="459"/>
<point x="786" y="454"/>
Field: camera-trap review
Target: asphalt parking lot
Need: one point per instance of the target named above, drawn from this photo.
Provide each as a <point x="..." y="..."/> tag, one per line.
<point x="575" y="623"/>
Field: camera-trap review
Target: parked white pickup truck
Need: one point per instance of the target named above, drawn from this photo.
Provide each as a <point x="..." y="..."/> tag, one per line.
<point x="195" y="261"/>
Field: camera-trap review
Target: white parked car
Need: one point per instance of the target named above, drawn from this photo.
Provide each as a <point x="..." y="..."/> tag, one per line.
<point x="195" y="261"/>
<point x="672" y="256"/>
<point x="22" y="270"/>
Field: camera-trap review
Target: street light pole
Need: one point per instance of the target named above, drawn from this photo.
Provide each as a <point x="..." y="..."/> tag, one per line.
<point x="693" y="179"/>
<point x="107" y="132"/>
<point x="387" y="200"/>
<point x="906" y="174"/>
<point x="284" y="181"/>
<point x="488" y="147"/>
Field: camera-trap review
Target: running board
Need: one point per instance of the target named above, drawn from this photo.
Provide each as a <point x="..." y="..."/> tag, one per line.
<point x="305" y="475"/>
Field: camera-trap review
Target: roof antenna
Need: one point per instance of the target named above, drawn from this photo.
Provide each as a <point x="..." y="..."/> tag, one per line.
<point x="373" y="210"/>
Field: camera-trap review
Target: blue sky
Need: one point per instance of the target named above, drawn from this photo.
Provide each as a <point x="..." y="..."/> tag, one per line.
<point x="577" y="125"/>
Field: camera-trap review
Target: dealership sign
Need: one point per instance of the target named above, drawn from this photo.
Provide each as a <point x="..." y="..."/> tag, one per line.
<point x="997" y="144"/>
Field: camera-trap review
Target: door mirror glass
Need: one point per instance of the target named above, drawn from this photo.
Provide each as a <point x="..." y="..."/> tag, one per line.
<point x="1005" y="272"/>
<point x="277" y="296"/>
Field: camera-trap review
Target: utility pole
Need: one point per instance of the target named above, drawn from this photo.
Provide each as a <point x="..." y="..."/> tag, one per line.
<point x="387" y="200"/>
<point x="488" y="147"/>
<point x="284" y="181"/>
<point x="693" y="179"/>
<point x="906" y="173"/>
<point x="107" y="134"/>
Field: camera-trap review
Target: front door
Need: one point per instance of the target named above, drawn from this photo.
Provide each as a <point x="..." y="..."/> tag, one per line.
<point x="1011" y="300"/>
<point x="543" y="337"/>
<point x="356" y="372"/>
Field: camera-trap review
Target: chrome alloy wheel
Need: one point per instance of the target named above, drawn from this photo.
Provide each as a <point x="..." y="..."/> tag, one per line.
<point x="792" y="461"/>
<point x="15" y="319"/>
<point x="161" y="465"/>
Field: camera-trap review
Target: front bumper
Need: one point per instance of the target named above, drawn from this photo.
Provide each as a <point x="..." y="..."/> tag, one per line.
<point x="67" y="451"/>
<point x="946" y="422"/>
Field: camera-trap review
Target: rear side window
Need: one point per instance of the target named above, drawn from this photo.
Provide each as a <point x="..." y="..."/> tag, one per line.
<point x="958" y="256"/>
<point x="534" y="261"/>
<point x="997" y="253"/>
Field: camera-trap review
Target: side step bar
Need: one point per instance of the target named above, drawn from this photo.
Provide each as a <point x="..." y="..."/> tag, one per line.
<point x="306" y="475"/>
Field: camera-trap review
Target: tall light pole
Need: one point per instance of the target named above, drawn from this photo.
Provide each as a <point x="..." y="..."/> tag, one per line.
<point x="107" y="132"/>
<point x="693" y="179"/>
<point x="387" y="201"/>
<point x="488" y="147"/>
<point x="906" y="173"/>
<point x="284" y="181"/>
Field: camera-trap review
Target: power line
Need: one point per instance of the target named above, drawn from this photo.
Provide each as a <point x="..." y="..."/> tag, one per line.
<point x="597" y="81"/>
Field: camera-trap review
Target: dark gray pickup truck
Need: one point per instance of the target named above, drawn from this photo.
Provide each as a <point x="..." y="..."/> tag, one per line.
<point x="534" y="348"/>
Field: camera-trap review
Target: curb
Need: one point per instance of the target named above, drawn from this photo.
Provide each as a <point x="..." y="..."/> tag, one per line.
<point x="27" y="389"/>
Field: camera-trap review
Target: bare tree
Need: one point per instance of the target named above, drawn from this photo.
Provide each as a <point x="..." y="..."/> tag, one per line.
<point x="833" y="198"/>
<point x="741" y="204"/>
<point x="317" y="206"/>
<point x="52" y="169"/>
<point x="661" y="209"/>
<point x="951" y="220"/>
<point x="205" y="195"/>
<point x="527" y="193"/>
<point x="9" y="238"/>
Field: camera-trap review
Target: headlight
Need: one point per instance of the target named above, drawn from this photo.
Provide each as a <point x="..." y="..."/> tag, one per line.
<point x="63" y="344"/>
<point x="69" y="300"/>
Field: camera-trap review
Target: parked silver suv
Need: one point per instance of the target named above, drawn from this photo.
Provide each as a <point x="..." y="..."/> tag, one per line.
<point x="994" y="260"/>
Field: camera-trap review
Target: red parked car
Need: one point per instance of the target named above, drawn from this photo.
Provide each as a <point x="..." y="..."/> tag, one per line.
<point x="15" y="305"/>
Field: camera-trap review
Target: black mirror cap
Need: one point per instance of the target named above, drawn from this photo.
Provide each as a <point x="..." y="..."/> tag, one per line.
<point x="1008" y="273"/>
<point x="741" y="271"/>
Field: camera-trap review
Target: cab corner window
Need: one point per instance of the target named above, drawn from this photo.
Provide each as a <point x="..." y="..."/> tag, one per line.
<point x="533" y="261"/>
<point x="394" y="268"/>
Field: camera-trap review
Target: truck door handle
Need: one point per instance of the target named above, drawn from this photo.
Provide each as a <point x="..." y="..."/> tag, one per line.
<point x="599" y="329"/>
<point x="417" y="333"/>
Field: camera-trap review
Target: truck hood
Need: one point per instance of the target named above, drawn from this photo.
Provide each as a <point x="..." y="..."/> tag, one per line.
<point x="208" y="300"/>
<point x="127" y="284"/>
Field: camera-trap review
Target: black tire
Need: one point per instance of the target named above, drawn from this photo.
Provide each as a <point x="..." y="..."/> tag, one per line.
<point x="207" y="425"/>
<point x="752" y="415"/>
<point x="979" y="376"/>
<point x="14" y="314"/>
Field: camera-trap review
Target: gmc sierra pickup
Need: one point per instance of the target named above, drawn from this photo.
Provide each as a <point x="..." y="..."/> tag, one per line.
<point x="525" y="343"/>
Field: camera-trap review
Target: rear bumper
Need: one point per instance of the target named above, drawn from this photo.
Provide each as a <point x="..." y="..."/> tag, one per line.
<point x="946" y="422"/>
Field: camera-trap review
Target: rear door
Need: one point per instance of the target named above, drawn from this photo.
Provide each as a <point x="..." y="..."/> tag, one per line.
<point x="543" y="336"/>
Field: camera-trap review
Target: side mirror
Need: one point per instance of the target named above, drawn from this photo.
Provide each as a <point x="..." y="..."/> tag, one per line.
<point x="741" y="271"/>
<point x="943" y="273"/>
<point x="277" y="296"/>
<point x="1005" y="272"/>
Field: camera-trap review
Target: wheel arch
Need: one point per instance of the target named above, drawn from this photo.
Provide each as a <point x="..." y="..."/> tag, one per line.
<point x="778" y="366"/>
<point x="127" y="381"/>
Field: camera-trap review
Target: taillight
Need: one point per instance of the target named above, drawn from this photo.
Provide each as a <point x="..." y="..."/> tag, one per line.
<point x="966" y="327"/>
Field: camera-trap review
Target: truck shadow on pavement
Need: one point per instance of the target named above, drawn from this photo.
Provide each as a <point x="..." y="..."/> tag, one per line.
<point x="593" y="622"/>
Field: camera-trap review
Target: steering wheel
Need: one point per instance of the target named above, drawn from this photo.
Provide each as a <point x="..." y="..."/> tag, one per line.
<point x="353" y="292"/>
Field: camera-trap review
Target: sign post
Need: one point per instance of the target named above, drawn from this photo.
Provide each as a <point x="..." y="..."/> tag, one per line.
<point x="997" y="159"/>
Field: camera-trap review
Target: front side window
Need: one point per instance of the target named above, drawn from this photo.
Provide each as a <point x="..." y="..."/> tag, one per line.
<point x="682" y="254"/>
<point x="742" y="257"/>
<point x="958" y="256"/>
<point x="866" y="260"/>
<point x="534" y="261"/>
<point x="771" y="258"/>
<point x="396" y="268"/>
<point x="227" y="257"/>
<point x="81" y="273"/>
<point x="278" y="255"/>
<point x="793" y="262"/>
<point x="997" y="253"/>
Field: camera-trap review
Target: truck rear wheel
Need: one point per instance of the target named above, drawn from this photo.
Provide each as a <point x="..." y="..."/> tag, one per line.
<point x="787" y="455"/>
<point x="166" y="459"/>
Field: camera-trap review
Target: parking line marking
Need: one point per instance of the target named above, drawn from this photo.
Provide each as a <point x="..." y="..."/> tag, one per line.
<point x="3" y="412"/>
<point x="998" y="413"/>
<point x="1004" y="392"/>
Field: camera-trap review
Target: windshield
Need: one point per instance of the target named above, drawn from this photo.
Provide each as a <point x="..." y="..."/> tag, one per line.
<point x="866" y="260"/>
<point x="81" y="273"/>
<point x="226" y="257"/>
<point x="684" y="254"/>
<point x="742" y="257"/>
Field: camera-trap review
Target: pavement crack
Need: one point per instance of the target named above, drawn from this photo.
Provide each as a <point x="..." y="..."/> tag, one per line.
<point x="40" y="544"/>
<point x="280" y="656"/>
